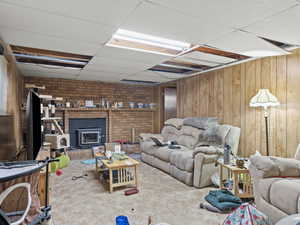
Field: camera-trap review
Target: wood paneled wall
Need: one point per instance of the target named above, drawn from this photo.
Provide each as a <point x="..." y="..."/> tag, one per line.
<point x="14" y="93"/>
<point x="225" y="93"/>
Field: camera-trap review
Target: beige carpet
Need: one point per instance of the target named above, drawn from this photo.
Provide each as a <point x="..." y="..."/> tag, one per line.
<point x="87" y="202"/>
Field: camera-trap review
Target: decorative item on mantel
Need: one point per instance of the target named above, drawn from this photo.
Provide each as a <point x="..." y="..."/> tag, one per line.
<point x="131" y="105"/>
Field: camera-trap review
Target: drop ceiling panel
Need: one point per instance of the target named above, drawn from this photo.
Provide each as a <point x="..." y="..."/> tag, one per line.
<point x="150" y="76"/>
<point x="29" y="39"/>
<point x="53" y="25"/>
<point x="100" y="76"/>
<point x="137" y="56"/>
<point x="46" y="69"/>
<point x="104" y="11"/>
<point x="209" y="57"/>
<point x="282" y="27"/>
<point x="233" y="13"/>
<point x="198" y="61"/>
<point x="99" y="63"/>
<point x="34" y="73"/>
<point x="244" y="43"/>
<point x="160" y="21"/>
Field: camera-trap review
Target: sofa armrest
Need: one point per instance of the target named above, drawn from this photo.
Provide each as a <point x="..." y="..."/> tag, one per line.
<point x="209" y="150"/>
<point x="264" y="166"/>
<point x="147" y="137"/>
<point x="204" y="168"/>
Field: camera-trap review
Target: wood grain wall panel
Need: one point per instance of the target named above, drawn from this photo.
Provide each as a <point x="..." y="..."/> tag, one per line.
<point x="281" y="111"/>
<point x="250" y="112"/>
<point x="292" y="102"/>
<point x="219" y="88"/>
<point x="226" y="93"/>
<point x="259" y="121"/>
<point x="236" y="95"/>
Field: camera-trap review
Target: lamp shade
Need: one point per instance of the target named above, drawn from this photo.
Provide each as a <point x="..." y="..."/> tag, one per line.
<point x="264" y="99"/>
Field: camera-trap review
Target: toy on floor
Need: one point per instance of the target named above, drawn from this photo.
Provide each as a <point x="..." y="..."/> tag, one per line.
<point x="58" y="172"/>
<point x="122" y="220"/>
<point x="79" y="177"/>
<point x="131" y="191"/>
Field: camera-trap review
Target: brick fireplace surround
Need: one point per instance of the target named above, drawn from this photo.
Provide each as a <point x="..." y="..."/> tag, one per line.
<point x="119" y="122"/>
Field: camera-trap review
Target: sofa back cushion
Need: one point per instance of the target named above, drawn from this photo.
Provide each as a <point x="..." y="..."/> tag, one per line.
<point x="297" y="154"/>
<point x="170" y="133"/>
<point x="175" y="122"/>
<point x="201" y="122"/>
<point x="189" y="136"/>
<point x="214" y="136"/>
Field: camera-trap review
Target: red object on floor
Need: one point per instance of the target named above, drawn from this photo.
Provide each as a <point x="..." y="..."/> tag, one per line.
<point x="120" y="141"/>
<point x="131" y="191"/>
<point x="59" y="172"/>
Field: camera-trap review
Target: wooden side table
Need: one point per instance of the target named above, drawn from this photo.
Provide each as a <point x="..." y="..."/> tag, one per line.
<point x="122" y="172"/>
<point x="242" y="184"/>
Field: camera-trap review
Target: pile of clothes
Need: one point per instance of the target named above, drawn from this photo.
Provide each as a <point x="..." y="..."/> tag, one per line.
<point x="221" y="201"/>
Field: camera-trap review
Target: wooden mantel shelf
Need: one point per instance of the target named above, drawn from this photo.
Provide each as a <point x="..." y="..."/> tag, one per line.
<point x="106" y="110"/>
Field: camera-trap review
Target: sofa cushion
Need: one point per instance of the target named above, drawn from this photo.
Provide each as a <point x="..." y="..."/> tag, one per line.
<point x="284" y="194"/>
<point x="170" y="133"/>
<point x="164" y="153"/>
<point x="264" y="187"/>
<point x="148" y="147"/>
<point x="189" y="136"/>
<point x="287" y="167"/>
<point x="201" y="122"/>
<point x="148" y="136"/>
<point x="183" y="159"/>
<point x="297" y="154"/>
<point x="175" y="122"/>
<point x="184" y="176"/>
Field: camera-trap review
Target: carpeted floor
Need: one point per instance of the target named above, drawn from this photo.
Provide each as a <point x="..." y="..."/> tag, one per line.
<point x="87" y="202"/>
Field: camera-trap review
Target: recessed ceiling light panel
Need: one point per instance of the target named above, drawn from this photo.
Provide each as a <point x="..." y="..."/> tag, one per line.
<point x="147" y="43"/>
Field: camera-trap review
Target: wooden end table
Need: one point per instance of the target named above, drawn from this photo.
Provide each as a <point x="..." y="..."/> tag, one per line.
<point x="121" y="172"/>
<point x="242" y="184"/>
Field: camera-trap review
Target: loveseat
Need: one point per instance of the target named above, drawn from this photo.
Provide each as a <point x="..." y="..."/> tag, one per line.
<point x="200" y="141"/>
<point x="276" y="183"/>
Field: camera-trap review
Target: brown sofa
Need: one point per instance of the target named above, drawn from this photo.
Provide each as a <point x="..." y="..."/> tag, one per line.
<point x="193" y="163"/>
<point x="276" y="185"/>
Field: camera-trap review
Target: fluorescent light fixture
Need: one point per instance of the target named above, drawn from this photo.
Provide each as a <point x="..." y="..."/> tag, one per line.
<point x="145" y="41"/>
<point x="263" y="53"/>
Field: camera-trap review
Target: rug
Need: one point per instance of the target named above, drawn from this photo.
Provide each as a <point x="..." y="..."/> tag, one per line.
<point x="166" y="200"/>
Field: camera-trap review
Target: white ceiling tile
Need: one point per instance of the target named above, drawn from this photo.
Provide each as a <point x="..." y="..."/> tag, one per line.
<point x="160" y="21"/>
<point x="245" y="44"/>
<point x="34" y="73"/>
<point x="282" y="27"/>
<point x="46" y="69"/>
<point x="209" y="57"/>
<point x="105" y="11"/>
<point x="53" y="25"/>
<point x="121" y="53"/>
<point x="29" y="39"/>
<point x="101" y="63"/>
<point x="150" y="76"/>
<point x="198" y="61"/>
<point x="233" y="13"/>
<point x="100" y="76"/>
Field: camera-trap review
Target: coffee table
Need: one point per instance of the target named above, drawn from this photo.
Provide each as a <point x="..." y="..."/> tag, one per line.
<point x="121" y="172"/>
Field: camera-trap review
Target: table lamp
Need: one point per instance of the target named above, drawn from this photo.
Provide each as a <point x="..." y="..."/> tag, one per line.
<point x="264" y="99"/>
